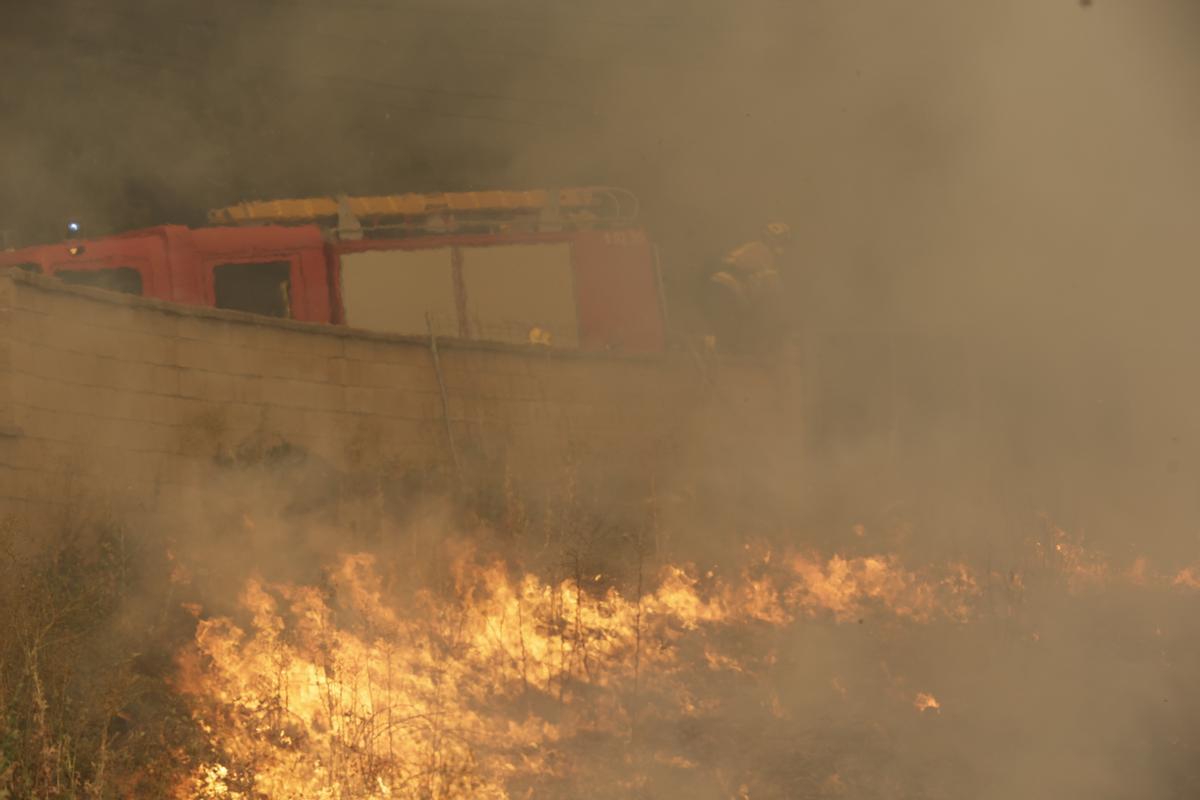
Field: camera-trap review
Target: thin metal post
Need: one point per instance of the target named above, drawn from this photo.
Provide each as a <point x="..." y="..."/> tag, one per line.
<point x="437" y="367"/>
<point x="662" y="296"/>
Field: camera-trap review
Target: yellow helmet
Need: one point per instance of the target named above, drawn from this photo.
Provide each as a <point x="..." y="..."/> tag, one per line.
<point x="779" y="230"/>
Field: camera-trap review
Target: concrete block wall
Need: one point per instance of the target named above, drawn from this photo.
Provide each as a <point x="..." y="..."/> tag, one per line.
<point x="134" y="395"/>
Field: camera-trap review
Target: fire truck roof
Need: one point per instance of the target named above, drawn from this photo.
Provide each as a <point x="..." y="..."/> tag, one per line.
<point x="414" y="205"/>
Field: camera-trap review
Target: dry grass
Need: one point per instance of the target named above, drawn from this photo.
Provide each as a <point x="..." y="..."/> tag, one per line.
<point x="93" y="623"/>
<point x="85" y="706"/>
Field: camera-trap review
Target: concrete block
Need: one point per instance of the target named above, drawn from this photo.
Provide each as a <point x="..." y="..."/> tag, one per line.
<point x="40" y="423"/>
<point x="335" y="370"/>
<point x="30" y="452"/>
<point x="49" y="394"/>
<point x="140" y="319"/>
<point x="42" y="329"/>
<point x="129" y="345"/>
<point x="466" y="406"/>
<point x="202" y="329"/>
<point x="32" y="300"/>
<point x="136" y="406"/>
<point x="287" y="424"/>
<point x="24" y="483"/>
<point x="26" y="325"/>
<point x="163" y="380"/>
<point x="27" y="357"/>
<point x="400" y="403"/>
<point x="239" y="360"/>
<point x="362" y="401"/>
<point x="243" y="388"/>
<point x="133" y="344"/>
<point x="386" y="352"/>
<point x="339" y="431"/>
<point x="302" y="394"/>
<point x="414" y="439"/>
<point x="179" y="410"/>
<point x="208" y="386"/>
<point x="293" y="366"/>
<point x="155" y="408"/>
<point x="389" y="375"/>
<point x="205" y="430"/>
<point x="117" y="374"/>
<point x="194" y="354"/>
<point x="8" y="417"/>
<point x="134" y="436"/>
<point x="420" y="405"/>
<point x="270" y="336"/>
<point x="122" y="375"/>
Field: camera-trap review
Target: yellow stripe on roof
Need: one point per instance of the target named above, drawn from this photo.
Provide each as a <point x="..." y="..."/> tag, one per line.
<point x="396" y="205"/>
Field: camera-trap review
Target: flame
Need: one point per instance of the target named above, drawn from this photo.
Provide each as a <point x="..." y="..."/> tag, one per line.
<point x="926" y="702"/>
<point x="471" y="694"/>
<point x="1082" y="567"/>
<point x="833" y="785"/>
<point x="1187" y="578"/>
<point x="1085" y="569"/>
<point x="847" y="587"/>
<point x="495" y="685"/>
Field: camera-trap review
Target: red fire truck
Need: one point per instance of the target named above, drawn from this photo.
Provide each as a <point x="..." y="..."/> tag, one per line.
<point x="569" y="267"/>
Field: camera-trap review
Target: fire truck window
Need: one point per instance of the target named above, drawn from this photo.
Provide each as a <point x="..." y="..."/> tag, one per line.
<point x="262" y="287"/>
<point x="126" y="280"/>
<point x="400" y="291"/>
<point x="521" y="294"/>
<point x="28" y="266"/>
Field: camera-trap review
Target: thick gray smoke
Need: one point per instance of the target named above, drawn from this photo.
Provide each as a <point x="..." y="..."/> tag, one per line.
<point x="994" y="278"/>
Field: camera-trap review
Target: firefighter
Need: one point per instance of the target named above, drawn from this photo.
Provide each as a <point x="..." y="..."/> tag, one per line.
<point x="745" y="293"/>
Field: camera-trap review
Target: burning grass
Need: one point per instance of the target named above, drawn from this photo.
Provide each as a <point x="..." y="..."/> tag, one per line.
<point x="504" y="685"/>
<point x="782" y="674"/>
<point x="501" y="684"/>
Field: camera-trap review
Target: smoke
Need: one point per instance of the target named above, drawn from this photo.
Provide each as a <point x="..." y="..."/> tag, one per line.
<point x="994" y="278"/>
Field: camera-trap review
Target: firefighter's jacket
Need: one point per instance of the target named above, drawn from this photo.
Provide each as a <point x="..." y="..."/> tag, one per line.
<point x="750" y="273"/>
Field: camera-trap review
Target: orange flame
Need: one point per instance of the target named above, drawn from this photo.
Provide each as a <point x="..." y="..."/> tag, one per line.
<point x="926" y="702"/>
<point x="354" y="691"/>
<point x="318" y="689"/>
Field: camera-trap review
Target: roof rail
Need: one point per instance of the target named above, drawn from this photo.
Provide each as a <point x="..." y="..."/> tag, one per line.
<point x="598" y="205"/>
